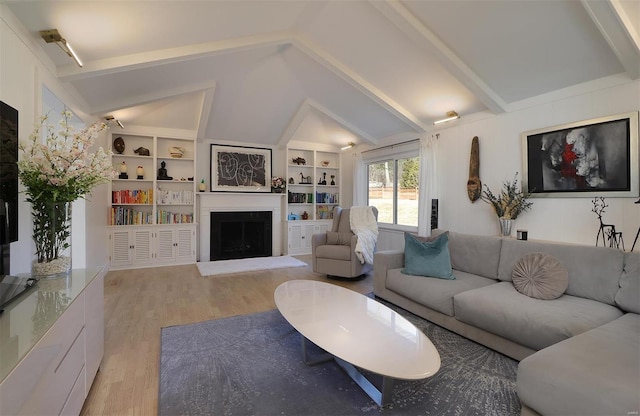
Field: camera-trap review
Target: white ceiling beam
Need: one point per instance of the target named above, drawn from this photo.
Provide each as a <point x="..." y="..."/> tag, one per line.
<point x="205" y="112"/>
<point x="164" y="56"/>
<point x="160" y="57"/>
<point x="294" y="124"/>
<point x="156" y="95"/>
<point x="423" y="37"/>
<point x="303" y="111"/>
<point x="359" y="83"/>
<point x="619" y="32"/>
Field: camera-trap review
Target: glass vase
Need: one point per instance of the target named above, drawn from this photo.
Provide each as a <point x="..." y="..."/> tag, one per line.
<point x="52" y="238"/>
<point x="505" y="226"/>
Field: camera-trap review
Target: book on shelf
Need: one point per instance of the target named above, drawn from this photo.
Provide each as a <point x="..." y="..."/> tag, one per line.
<point x="324" y="212"/>
<point x="175" y="197"/>
<point x="166" y="217"/>
<point x="326" y="198"/>
<point x="129" y="216"/>
<point x="132" y="196"/>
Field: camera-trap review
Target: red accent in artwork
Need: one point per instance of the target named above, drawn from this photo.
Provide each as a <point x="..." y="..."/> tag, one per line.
<point x="568" y="157"/>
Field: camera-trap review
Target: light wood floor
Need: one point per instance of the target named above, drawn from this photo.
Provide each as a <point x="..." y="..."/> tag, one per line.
<point x="138" y="303"/>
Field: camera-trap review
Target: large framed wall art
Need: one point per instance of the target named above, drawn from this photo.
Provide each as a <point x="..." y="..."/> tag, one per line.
<point x="240" y="169"/>
<point x="589" y="158"/>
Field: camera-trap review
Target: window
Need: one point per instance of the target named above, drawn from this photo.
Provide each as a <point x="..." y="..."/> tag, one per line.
<point x="393" y="190"/>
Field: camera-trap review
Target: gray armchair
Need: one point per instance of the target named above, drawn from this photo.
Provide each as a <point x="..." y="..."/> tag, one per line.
<point x="333" y="252"/>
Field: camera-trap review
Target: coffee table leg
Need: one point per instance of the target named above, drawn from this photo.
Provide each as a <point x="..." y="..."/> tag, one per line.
<point x="317" y="359"/>
<point x="381" y="397"/>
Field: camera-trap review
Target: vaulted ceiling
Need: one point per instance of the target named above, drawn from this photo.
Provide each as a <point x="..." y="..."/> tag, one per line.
<point x="329" y="71"/>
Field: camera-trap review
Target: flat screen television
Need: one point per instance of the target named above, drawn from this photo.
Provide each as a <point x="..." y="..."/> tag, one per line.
<point x="8" y="182"/>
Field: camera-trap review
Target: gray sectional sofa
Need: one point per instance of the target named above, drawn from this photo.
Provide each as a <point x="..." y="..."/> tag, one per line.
<point x="579" y="354"/>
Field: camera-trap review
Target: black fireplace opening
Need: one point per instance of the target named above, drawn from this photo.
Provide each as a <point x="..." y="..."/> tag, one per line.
<point x="239" y="235"/>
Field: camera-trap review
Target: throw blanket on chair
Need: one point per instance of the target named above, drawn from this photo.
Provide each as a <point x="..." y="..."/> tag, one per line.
<point x="364" y="225"/>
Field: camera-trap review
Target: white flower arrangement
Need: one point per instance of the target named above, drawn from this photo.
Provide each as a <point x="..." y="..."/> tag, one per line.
<point x="56" y="173"/>
<point x="62" y="169"/>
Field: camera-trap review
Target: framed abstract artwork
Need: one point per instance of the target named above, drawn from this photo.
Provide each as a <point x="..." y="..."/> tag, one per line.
<point x="589" y="158"/>
<point x="240" y="169"/>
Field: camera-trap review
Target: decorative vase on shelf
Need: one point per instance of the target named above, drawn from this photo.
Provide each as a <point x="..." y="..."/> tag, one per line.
<point x="52" y="238"/>
<point x="505" y="226"/>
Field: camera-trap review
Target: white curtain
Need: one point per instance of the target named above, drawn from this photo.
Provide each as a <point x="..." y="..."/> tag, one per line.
<point x="360" y="181"/>
<point x="428" y="182"/>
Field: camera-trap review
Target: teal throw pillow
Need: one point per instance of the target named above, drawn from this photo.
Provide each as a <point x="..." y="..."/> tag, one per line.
<point x="427" y="258"/>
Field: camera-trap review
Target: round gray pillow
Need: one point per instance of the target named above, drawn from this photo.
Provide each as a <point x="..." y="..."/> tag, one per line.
<point x="540" y="276"/>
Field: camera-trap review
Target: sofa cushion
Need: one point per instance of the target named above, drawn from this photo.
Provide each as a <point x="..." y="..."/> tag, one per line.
<point x="540" y="276"/>
<point x="340" y="239"/>
<point x="436" y="294"/>
<point x="475" y="254"/>
<point x="428" y="258"/>
<point x="628" y="296"/>
<point x="334" y="252"/>
<point x="593" y="271"/>
<point x="594" y="373"/>
<point x="534" y="323"/>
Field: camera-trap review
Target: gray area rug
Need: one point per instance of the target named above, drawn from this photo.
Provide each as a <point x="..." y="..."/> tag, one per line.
<point x="252" y="365"/>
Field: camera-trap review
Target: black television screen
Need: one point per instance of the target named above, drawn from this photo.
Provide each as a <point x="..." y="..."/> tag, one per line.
<point x="8" y="174"/>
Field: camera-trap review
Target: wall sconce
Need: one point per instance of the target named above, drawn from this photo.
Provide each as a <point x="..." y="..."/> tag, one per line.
<point x="115" y="120"/>
<point x="53" y="36"/>
<point x="451" y="115"/>
<point x="348" y="146"/>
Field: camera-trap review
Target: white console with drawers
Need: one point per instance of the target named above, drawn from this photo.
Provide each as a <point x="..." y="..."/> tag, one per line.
<point x="51" y="345"/>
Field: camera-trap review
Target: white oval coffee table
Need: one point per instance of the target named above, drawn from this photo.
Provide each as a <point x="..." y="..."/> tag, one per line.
<point x="357" y="331"/>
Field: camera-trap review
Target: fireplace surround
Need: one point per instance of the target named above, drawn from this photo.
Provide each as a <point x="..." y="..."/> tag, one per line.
<point x="209" y="202"/>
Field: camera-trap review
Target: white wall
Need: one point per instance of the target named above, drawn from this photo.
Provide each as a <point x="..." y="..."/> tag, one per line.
<point x="24" y="69"/>
<point x="556" y="219"/>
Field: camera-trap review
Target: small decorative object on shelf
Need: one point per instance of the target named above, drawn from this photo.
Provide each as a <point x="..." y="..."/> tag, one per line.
<point x="123" y="171"/>
<point x="325" y="163"/>
<point x="118" y="145"/>
<point x="202" y="186"/>
<point x="305" y="215"/>
<point x="140" y="172"/>
<point x="305" y="180"/>
<point x="299" y="161"/>
<point x="508" y="204"/>
<point x="55" y="174"/>
<point x="278" y="184"/>
<point x="176" y="152"/>
<point x="610" y="237"/>
<point x="333" y="177"/>
<point x="142" y="151"/>
<point x="162" y="172"/>
<point x="522" y="234"/>
<point x="324" y="178"/>
<point x="291" y="181"/>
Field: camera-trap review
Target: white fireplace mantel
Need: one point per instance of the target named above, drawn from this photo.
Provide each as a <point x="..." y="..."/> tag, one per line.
<point x="231" y="201"/>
